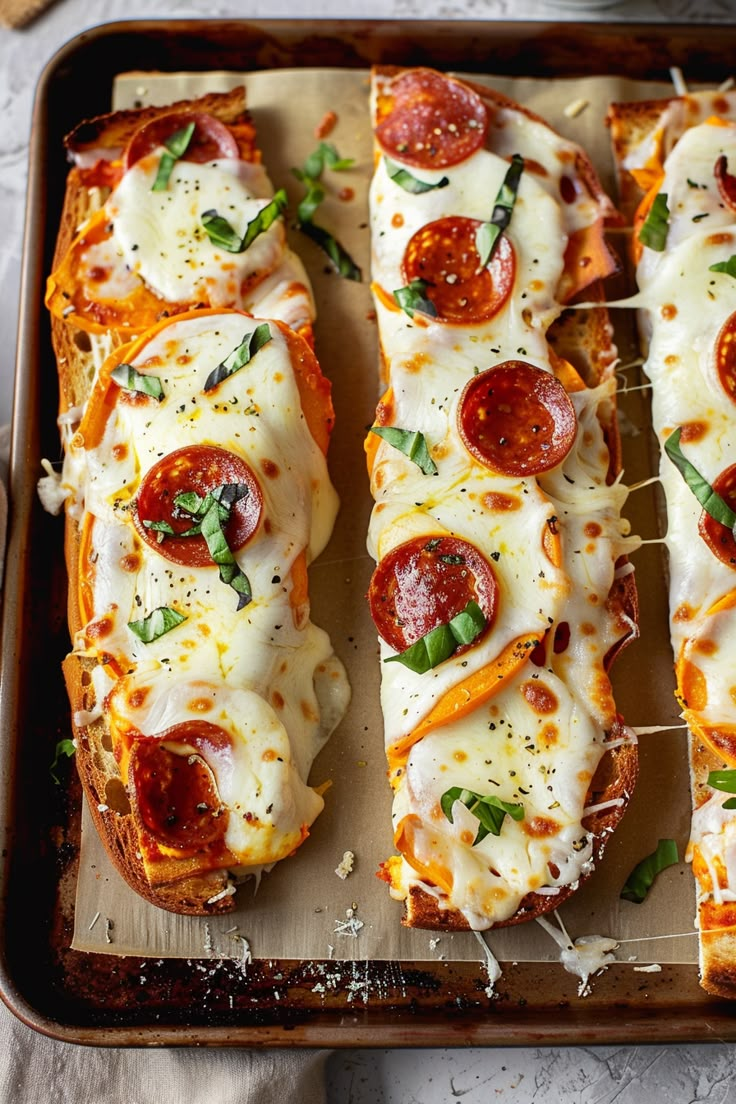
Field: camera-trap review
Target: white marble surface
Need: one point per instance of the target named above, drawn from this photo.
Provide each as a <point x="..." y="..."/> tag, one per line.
<point x="627" y="1075"/>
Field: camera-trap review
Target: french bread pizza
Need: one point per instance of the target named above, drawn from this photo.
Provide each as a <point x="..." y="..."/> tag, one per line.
<point x="676" y="159"/>
<point x="196" y="422"/>
<point x="502" y="589"/>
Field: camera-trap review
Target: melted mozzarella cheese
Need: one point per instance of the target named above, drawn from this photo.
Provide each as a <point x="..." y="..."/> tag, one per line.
<point x="272" y="677"/>
<point x="158" y="236"/>
<point x="162" y="237"/>
<point x="683" y="307"/>
<point x="536" y="233"/>
<point x="531" y="746"/>
<point x="259" y="779"/>
<point x="538" y="737"/>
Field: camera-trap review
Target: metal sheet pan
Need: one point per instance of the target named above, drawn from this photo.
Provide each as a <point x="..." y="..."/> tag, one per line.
<point x="111" y="1001"/>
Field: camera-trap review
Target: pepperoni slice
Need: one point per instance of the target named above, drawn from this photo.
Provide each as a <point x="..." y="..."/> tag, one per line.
<point x="198" y="468"/>
<point x="211" y="138"/>
<point x="717" y="536"/>
<point x="726" y="182"/>
<point x="424" y="583"/>
<point x="175" y="790"/>
<point x="726" y="356"/>
<point x="444" y="255"/>
<point x="431" y="121"/>
<point x="517" y="419"/>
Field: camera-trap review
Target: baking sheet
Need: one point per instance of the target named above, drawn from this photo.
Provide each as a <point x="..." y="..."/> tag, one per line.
<point x="355" y="918"/>
<point x="106" y="999"/>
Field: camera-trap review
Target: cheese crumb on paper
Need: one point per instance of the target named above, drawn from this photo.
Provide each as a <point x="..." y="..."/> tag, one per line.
<point x="345" y="866"/>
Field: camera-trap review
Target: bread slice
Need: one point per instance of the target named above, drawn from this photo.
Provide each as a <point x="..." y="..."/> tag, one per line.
<point x="648" y="140"/>
<point x="453" y="723"/>
<point x="196" y="876"/>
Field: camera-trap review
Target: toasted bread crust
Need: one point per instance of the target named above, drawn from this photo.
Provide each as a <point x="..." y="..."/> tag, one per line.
<point x="112" y="130"/>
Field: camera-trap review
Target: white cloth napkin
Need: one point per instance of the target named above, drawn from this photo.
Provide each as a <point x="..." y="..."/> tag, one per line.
<point x="35" y="1068"/>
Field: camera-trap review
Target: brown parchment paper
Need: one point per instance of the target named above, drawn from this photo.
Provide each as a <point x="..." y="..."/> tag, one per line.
<point x="300" y="909"/>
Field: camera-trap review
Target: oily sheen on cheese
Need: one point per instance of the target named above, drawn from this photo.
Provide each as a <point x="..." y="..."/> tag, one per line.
<point x="687" y="312"/>
<point x="523" y="711"/>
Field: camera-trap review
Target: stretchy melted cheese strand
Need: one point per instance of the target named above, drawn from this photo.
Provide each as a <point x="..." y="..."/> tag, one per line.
<point x="493" y="745"/>
<point x="687" y="302"/>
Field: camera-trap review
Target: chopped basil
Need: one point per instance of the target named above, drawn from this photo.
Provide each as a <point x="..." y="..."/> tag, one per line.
<point x="412" y="298"/>
<point x="641" y="878"/>
<point x="439" y="644"/>
<point x="161" y="528"/>
<point x="221" y="233"/>
<point x="325" y="156"/>
<point x="329" y="244"/>
<point x="311" y="201"/>
<point x="491" y="811"/>
<point x="230" y="573"/>
<point x="411" y="442"/>
<point x="729" y="266"/>
<point x="240" y="356"/>
<point x="64" y="747"/>
<point x="176" y="146"/>
<point x="125" y="375"/>
<point x="410" y="183"/>
<point x="159" y="622"/>
<point x="724" y="780"/>
<point x="711" y="502"/>
<point x="210" y="514"/>
<point x="489" y="232"/>
<point x="656" y="225"/>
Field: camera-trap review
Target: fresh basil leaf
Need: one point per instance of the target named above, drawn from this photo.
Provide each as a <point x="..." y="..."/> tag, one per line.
<point x="491" y="811"/>
<point x="641" y="878"/>
<point x="711" y="502"/>
<point x="411" y="442"/>
<point x="125" y="375"/>
<point x="221" y="233"/>
<point x="730" y="804"/>
<point x="156" y="624"/>
<point x="468" y="624"/>
<point x="161" y="528"/>
<point x="230" y="573"/>
<point x="412" y="298"/>
<point x="489" y="232"/>
<point x="443" y="641"/>
<point x="311" y="201"/>
<point x="64" y="747"/>
<point x="410" y="183"/>
<point x="339" y="256"/>
<point x="325" y="156"/>
<point x="729" y="266"/>
<point x="240" y="356"/>
<point x="656" y="225"/>
<point x="723" y="780"/>
<point x="176" y="146"/>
